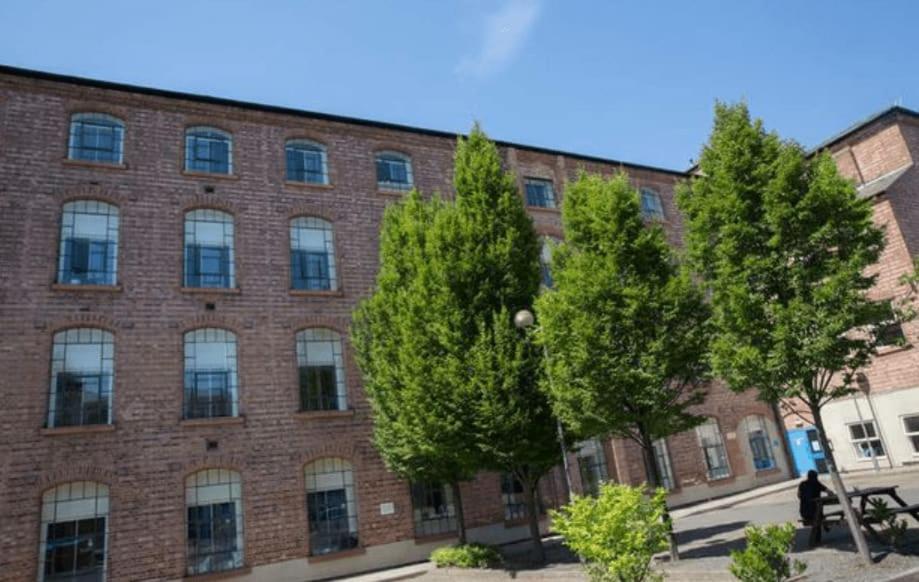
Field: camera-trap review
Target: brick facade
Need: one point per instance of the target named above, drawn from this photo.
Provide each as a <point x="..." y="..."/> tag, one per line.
<point x="145" y="456"/>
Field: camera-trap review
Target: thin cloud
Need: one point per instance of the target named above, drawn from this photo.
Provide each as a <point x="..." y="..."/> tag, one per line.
<point x="505" y="34"/>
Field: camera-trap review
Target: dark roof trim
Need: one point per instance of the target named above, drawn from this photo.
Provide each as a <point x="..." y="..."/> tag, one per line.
<point x="86" y="82"/>
<point x="889" y="112"/>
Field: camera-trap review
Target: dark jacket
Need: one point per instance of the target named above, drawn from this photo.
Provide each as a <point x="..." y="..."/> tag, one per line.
<point x="808" y="491"/>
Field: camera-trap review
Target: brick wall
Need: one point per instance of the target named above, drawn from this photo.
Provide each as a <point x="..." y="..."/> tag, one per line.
<point x="147" y="456"/>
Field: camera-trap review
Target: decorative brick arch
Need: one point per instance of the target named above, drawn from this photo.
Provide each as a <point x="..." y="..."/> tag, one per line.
<point x="214" y="320"/>
<point x="209" y="202"/>
<point x="88" y="319"/>
<point x="75" y="472"/>
<point x="91" y="192"/>
<point x="202" y="463"/>
<point x="337" y="324"/>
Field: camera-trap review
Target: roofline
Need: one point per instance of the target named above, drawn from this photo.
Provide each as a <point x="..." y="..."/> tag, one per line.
<point x="211" y="100"/>
<point x="858" y="126"/>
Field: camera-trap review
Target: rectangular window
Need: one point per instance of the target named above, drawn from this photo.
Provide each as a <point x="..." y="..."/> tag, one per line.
<point x="911" y="428"/>
<point x="434" y="512"/>
<point x="81" y="399"/>
<point x="762" y="451"/>
<point x="207" y="266"/>
<point x="208" y="394"/>
<point x="651" y="207"/>
<point x="865" y="440"/>
<point x="75" y="550"/>
<point x="515" y="507"/>
<point x="592" y="466"/>
<point x="87" y="262"/>
<point x="664" y="468"/>
<point x="713" y="451"/>
<point x="310" y="270"/>
<point x="539" y="193"/>
<point x="318" y="388"/>
<point x="212" y="538"/>
<point x="330" y="529"/>
<point x="207" y="153"/>
<point x="394" y="172"/>
<point x="96" y="137"/>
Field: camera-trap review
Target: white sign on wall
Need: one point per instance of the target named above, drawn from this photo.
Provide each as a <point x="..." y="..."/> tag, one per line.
<point x="387" y="508"/>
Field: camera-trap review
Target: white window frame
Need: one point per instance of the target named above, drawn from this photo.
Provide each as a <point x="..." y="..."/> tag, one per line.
<point x="198" y="132"/>
<point x="210" y="487"/>
<point x="89" y="117"/>
<point x="664" y="464"/>
<point x="910" y="435"/>
<point x="857" y="442"/>
<point x="305" y="144"/>
<point x="711" y="422"/>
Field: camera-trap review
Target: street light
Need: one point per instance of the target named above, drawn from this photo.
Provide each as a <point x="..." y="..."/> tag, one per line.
<point x="524" y="319"/>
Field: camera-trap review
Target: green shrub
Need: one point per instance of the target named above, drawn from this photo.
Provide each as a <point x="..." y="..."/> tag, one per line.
<point x="894" y="529"/>
<point x="617" y="533"/>
<point x="466" y="556"/>
<point x="766" y="557"/>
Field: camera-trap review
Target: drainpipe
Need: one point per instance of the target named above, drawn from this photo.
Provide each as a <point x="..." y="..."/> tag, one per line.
<point x="783" y="435"/>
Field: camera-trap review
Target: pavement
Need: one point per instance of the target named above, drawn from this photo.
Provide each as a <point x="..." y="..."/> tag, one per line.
<point x="706" y="534"/>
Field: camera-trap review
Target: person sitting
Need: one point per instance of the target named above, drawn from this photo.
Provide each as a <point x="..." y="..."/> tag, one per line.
<point x="809" y="491"/>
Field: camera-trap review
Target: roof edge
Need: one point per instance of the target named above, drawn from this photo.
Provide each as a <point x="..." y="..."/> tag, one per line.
<point x="858" y="126"/>
<point x="282" y="110"/>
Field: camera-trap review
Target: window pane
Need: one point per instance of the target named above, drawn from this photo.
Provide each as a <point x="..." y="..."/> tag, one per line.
<point x="394" y="172"/>
<point x="96" y="137"/>
<point x="82" y="363"/>
<point x="911" y="424"/>
<point x="321" y="370"/>
<point x="73" y="534"/>
<point x="210" y="374"/>
<point x="433" y="509"/>
<point x="331" y="508"/>
<point x="306" y="163"/>
<point x="208" y="150"/>
<point x="214" y="520"/>
<point x="539" y="193"/>
<point x="209" y="243"/>
<point x="88" y="243"/>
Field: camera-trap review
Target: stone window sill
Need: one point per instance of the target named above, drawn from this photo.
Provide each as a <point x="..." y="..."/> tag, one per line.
<point x="216" y="421"/>
<point x="324" y="414"/>
<point x="219" y="575"/>
<point x="722" y="480"/>
<point x="78" y="430"/>
<point x="337" y="555"/>
<point x="392" y="191"/>
<point x="765" y="472"/>
<point x="216" y="290"/>
<point x="316" y="293"/>
<point x="308" y="185"/>
<point x="555" y="210"/>
<point x="90" y="288"/>
<point x="209" y="175"/>
<point x="94" y="165"/>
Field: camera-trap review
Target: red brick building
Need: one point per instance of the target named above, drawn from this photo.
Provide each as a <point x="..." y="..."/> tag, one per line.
<point x="880" y="423"/>
<point x="179" y="396"/>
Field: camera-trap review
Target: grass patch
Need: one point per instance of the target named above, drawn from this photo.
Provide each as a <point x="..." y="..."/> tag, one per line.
<point x="466" y="556"/>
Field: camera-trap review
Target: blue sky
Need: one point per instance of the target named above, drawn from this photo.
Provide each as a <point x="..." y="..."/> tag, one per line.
<point x="628" y="80"/>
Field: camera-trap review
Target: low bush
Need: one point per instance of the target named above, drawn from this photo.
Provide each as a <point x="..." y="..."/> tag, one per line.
<point x="466" y="556"/>
<point x="617" y="533"/>
<point x="766" y="557"/>
<point x="894" y="529"/>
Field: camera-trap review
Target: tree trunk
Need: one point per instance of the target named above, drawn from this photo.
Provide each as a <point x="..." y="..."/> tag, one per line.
<point x="858" y="536"/>
<point x="460" y="517"/>
<point x="654" y="480"/>
<point x="529" y="492"/>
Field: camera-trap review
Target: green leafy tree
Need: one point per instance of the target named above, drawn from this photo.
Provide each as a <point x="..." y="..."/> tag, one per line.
<point x="444" y="369"/>
<point x="616" y="534"/>
<point x="625" y="327"/>
<point x="785" y="245"/>
<point x="765" y="559"/>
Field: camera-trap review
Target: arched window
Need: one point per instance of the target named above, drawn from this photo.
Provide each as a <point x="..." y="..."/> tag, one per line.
<point x="713" y="451"/>
<point x="88" y="252"/>
<point x="545" y="260"/>
<point x="209" y="254"/>
<point x="96" y="137"/>
<point x="211" y="388"/>
<point x="322" y="370"/>
<point x="757" y="430"/>
<point x="539" y="192"/>
<point x="434" y="512"/>
<point x="331" y="506"/>
<point x="82" y="377"/>
<point x="651" y="207"/>
<point x="306" y="162"/>
<point x="208" y="149"/>
<point x="74" y="520"/>
<point x="312" y="254"/>
<point x="394" y="171"/>
<point x="213" y="502"/>
<point x="592" y="466"/>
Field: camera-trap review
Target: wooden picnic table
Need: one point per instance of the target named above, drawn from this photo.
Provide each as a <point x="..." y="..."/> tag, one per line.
<point x="864" y="496"/>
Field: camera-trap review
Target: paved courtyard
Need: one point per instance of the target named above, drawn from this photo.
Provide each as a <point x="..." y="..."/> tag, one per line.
<point x="706" y="539"/>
